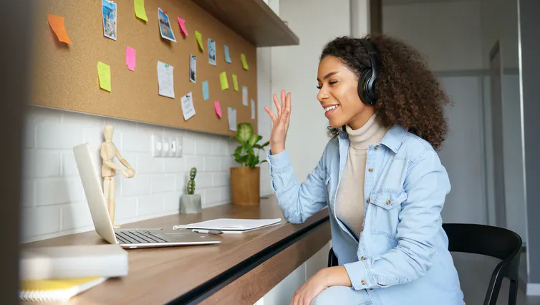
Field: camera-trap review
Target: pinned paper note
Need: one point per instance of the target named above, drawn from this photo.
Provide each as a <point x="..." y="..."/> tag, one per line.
<point x="182" y="24"/>
<point x="244" y="62"/>
<point x="235" y="82"/>
<point x="104" y="75"/>
<point x="226" y="51"/>
<point x="187" y="106"/>
<point x="245" y="96"/>
<point x="130" y="58"/>
<point x="205" y="93"/>
<point x="165" y="79"/>
<point x="252" y="109"/>
<point x="211" y="51"/>
<point x="199" y="39"/>
<point x="140" y="12"/>
<point x="218" y="108"/>
<point x="232" y="118"/>
<point x="223" y="80"/>
<point x="109" y="15"/>
<point x="192" y="68"/>
<point x="57" y="25"/>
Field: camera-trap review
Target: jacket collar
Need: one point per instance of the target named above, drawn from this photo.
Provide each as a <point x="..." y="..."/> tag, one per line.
<point x="393" y="138"/>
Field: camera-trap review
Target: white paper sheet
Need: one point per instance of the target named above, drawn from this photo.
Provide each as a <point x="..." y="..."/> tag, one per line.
<point x="230" y="224"/>
<point x="165" y="79"/>
<point x="245" y="96"/>
<point x="187" y="106"/>
<point x="232" y="118"/>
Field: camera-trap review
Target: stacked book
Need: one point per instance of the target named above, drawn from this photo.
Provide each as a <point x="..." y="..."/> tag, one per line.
<point x="53" y="274"/>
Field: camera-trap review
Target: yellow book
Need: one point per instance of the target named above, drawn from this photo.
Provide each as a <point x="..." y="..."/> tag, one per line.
<point x="57" y="290"/>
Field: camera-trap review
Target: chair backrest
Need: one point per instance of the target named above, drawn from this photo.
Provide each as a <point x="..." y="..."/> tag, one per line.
<point x="481" y="239"/>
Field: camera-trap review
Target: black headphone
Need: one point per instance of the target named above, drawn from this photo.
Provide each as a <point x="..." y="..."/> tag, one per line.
<point x="366" y="81"/>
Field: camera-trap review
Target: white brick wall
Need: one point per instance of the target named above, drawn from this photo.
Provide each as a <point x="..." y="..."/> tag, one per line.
<point x="53" y="199"/>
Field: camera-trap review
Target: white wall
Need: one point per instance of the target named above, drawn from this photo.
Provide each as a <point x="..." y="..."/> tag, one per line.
<point x="447" y="33"/>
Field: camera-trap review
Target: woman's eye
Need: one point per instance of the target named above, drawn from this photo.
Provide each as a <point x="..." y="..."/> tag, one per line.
<point x="332" y="82"/>
<point x="319" y="87"/>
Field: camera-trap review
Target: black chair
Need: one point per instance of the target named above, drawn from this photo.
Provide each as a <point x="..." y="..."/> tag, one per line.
<point x="486" y="240"/>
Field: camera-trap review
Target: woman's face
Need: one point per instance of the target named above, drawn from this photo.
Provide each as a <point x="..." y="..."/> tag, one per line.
<point x="339" y="96"/>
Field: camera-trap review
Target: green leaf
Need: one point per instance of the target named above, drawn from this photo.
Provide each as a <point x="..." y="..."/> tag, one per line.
<point x="247" y="148"/>
<point x="238" y="150"/>
<point x="265" y="144"/>
<point x="264" y="161"/>
<point x="257" y="146"/>
<point x="254" y="139"/>
<point x="244" y="132"/>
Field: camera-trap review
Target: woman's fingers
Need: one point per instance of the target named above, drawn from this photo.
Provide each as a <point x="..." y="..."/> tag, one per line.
<point x="288" y="108"/>
<point x="278" y="105"/>
<point x="272" y="116"/>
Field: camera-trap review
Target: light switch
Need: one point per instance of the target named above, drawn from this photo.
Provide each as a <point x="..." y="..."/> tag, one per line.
<point x="179" y="147"/>
<point x="174" y="147"/>
<point x="157" y="148"/>
<point x="166" y="146"/>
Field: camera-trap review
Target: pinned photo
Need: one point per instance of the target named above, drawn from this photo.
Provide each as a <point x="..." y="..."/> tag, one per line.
<point x="193" y="68"/>
<point x="108" y="10"/>
<point x="211" y="52"/>
<point x="165" y="26"/>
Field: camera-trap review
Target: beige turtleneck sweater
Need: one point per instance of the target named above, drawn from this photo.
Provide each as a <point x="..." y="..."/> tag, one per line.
<point x="350" y="199"/>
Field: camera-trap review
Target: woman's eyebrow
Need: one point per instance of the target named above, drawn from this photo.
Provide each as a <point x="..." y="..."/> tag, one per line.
<point x="327" y="75"/>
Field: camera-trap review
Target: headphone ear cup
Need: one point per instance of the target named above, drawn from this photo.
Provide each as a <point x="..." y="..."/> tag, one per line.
<point x="363" y="90"/>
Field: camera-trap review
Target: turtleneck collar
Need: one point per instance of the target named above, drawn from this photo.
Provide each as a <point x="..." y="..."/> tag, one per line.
<point x="371" y="132"/>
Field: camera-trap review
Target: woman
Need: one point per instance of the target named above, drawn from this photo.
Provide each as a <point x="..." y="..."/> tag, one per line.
<point x="379" y="175"/>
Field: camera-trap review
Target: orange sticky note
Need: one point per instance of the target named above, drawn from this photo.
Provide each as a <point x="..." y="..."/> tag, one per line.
<point x="57" y="24"/>
<point x="218" y="108"/>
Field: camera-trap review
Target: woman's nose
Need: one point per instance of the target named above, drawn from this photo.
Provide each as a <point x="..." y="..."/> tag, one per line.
<point x="323" y="94"/>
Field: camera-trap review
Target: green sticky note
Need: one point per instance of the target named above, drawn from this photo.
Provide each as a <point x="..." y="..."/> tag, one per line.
<point x="244" y="62"/>
<point x="104" y="75"/>
<point x="223" y="80"/>
<point x="199" y="39"/>
<point x="235" y="82"/>
<point x="140" y="12"/>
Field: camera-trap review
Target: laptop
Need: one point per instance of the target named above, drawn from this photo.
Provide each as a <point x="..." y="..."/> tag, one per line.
<point x="126" y="238"/>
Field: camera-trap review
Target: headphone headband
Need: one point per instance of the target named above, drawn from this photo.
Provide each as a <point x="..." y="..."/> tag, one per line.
<point x="366" y="82"/>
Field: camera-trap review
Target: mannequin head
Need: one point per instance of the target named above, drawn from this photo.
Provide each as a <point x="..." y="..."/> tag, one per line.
<point x="108" y="133"/>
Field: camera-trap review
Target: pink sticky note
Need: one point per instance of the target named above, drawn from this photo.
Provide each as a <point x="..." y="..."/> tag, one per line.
<point x="218" y="108"/>
<point x="130" y="58"/>
<point x="182" y="22"/>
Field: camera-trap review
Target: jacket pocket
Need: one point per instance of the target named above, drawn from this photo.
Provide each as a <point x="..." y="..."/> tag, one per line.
<point x="386" y="206"/>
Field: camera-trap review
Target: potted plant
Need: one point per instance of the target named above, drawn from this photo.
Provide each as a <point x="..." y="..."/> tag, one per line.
<point x="245" y="187"/>
<point x="190" y="202"/>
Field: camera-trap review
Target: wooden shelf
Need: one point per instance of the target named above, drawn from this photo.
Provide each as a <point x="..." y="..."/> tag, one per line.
<point x="252" y="19"/>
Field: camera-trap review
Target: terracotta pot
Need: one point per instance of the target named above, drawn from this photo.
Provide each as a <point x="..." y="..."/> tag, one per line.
<point x="245" y="187"/>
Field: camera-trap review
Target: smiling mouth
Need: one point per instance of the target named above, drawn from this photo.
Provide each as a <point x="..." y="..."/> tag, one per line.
<point x="330" y="108"/>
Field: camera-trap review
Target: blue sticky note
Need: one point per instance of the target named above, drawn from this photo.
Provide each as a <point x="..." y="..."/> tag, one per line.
<point x="227" y="57"/>
<point x="205" y="93"/>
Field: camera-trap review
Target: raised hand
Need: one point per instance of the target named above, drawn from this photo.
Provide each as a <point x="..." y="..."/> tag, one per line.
<point x="280" y="123"/>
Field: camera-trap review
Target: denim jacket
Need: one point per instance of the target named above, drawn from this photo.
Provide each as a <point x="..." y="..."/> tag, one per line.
<point x="402" y="254"/>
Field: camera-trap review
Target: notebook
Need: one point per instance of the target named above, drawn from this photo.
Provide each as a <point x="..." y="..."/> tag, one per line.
<point x="230" y="225"/>
<point x="59" y="290"/>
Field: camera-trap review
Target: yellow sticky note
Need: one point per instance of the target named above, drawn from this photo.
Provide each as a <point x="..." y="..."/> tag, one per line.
<point x="244" y="62"/>
<point x="199" y="39"/>
<point x="223" y="80"/>
<point x="235" y="82"/>
<point x="104" y="74"/>
<point x="140" y="12"/>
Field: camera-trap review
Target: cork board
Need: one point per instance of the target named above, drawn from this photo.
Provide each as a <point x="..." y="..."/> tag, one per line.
<point x="65" y="76"/>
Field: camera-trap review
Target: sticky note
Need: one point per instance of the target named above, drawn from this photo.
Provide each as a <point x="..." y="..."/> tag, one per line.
<point x="244" y="95"/>
<point x="244" y="62"/>
<point x="227" y="57"/>
<point x="57" y="25"/>
<point x="140" y="12"/>
<point x="165" y="79"/>
<point x="223" y="80"/>
<point x="218" y="108"/>
<point x="235" y="82"/>
<point x="232" y="118"/>
<point x="205" y="93"/>
<point x="252" y="109"/>
<point x="182" y="24"/>
<point x="199" y="39"/>
<point x="104" y="75"/>
<point x="130" y="58"/>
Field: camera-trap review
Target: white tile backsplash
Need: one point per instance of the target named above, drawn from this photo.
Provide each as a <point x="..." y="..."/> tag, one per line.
<point x="54" y="203"/>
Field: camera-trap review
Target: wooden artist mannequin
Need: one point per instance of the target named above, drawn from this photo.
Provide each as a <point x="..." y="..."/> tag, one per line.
<point x="109" y="168"/>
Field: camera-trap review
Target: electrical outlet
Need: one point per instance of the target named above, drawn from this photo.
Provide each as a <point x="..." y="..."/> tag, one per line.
<point x="157" y="146"/>
<point x="179" y="147"/>
<point x="174" y="147"/>
<point x="166" y="146"/>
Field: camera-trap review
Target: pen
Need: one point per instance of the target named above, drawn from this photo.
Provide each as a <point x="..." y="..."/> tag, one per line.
<point x="215" y="232"/>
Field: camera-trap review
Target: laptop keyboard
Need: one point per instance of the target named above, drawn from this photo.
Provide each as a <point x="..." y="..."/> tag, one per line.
<point x="138" y="237"/>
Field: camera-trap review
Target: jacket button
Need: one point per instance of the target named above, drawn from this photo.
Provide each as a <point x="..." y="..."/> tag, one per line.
<point x="363" y="258"/>
<point x="367" y="200"/>
<point x="370" y="170"/>
<point x="376" y="146"/>
<point x="387" y="202"/>
<point x="363" y="282"/>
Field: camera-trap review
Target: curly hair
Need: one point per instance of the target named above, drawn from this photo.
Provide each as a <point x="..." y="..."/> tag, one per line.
<point x="409" y="94"/>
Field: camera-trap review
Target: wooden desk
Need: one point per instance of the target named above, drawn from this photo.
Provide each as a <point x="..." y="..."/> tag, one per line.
<point x="240" y="270"/>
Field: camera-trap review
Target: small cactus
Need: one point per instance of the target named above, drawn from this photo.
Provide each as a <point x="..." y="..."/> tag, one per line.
<point x="191" y="182"/>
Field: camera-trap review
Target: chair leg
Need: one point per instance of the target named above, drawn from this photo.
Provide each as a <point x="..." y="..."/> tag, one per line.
<point x="512" y="296"/>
